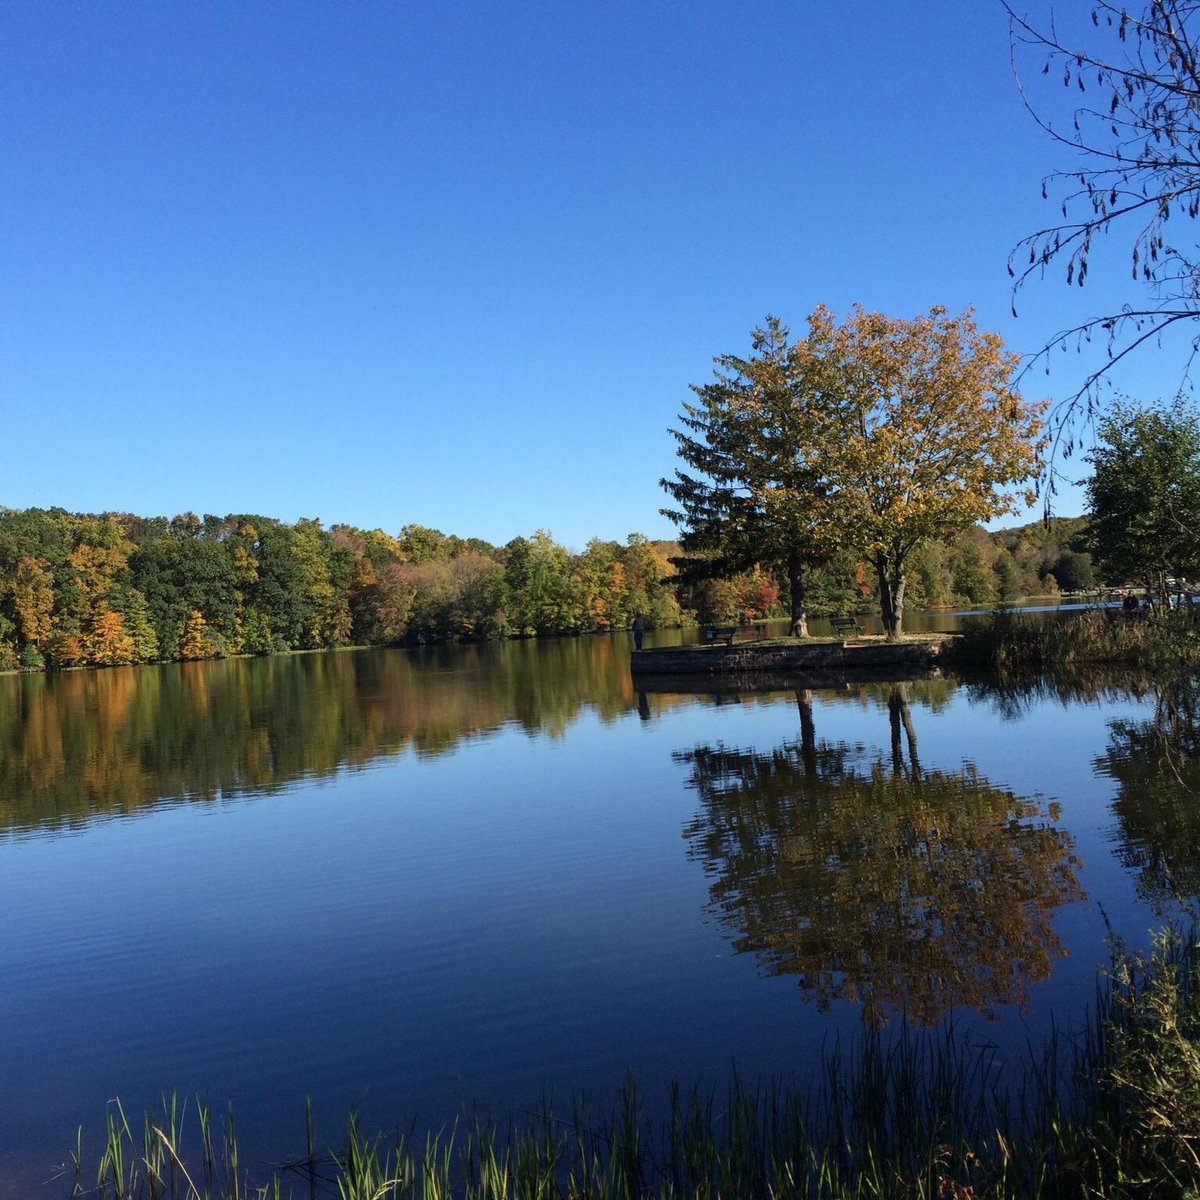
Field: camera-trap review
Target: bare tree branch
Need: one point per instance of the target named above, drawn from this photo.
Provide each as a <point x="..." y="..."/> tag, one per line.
<point x="1136" y="136"/>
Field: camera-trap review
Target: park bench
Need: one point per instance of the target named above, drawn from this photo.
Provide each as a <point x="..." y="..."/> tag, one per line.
<point x="845" y="625"/>
<point x="726" y="633"/>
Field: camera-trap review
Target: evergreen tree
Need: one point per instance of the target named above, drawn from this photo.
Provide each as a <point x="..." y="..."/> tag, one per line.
<point x="139" y="626"/>
<point x="753" y="494"/>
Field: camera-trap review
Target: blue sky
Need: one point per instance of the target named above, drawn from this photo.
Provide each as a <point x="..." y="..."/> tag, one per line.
<point x="457" y="264"/>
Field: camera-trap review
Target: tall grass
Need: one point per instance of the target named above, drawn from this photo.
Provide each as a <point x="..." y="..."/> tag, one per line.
<point x="1011" y="642"/>
<point x="1113" y="1112"/>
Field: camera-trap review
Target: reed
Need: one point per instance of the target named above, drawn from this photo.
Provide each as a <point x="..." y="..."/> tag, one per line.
<point x="1010" y="642"/>
<point x="1113" y="1111"/>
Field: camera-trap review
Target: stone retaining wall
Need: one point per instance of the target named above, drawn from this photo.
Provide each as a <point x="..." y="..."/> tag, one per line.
<point x="810" y="656"/>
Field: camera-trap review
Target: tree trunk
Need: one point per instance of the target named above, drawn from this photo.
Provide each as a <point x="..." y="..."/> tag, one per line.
<point x="796" y="584"/>
<point x="889" y="570"/>
<point x="808" y="732"/>
<point x="897" y="745"/>
<point x="900" y="718"/>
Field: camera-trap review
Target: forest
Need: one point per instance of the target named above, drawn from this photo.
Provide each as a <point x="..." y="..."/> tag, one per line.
<point x="80" y="589"/>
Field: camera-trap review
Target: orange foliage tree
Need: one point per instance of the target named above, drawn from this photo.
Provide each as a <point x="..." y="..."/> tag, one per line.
<point x="107" y="643"/>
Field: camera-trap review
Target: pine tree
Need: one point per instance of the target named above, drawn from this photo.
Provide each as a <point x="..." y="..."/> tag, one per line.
<point x="754" y="494"/>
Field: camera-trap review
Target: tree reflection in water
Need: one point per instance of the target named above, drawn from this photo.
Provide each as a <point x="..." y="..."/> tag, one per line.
<point x="84" y="744"/>
<point x="906" y="890"/>
<point x="1156" y="765"/>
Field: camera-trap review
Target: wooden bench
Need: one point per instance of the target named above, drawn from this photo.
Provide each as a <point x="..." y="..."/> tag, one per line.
<point x="845" y="625"/>
<point x="726" y="633"/>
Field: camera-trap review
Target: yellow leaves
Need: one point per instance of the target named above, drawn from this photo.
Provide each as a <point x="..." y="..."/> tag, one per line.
<point x="933" y="436"/>
<point x="96" y="567"/>
<point x="245" y="565"/>
<point x="33" y="598"/>
<point x="199" y="641"/>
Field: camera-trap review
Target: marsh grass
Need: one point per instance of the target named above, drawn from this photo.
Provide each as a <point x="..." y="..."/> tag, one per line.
<point x="1010" y="642"/>
<point x="1110" y="1111"/>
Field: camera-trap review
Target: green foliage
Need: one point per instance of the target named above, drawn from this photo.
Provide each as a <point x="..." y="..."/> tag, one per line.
<point x="1037" y="554"/>
<point x="1156" y="764"/>
<point x="263" y="587"/>
<point x="1008" y="578"/>
<point x="31" y="659"/>
<point x="1151" y="1079"/>
<point x="1144" y="497"/>
<point x="1073" y="571"/>
<point x="755" y="492"/>
<point x="541" y="592"/>
<point x="973" y="578"/>
<point x="78" y="589"/>
<point x="139" y="626"/>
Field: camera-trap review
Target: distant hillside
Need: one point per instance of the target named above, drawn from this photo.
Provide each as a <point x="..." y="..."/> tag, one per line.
<point x="978" y="567"/>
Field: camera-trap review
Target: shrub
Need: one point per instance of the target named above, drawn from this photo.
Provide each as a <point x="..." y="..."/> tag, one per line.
<point x="32" y="659"/>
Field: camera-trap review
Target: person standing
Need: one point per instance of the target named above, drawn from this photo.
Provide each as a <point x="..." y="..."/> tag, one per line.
<point x="639" y="631"/>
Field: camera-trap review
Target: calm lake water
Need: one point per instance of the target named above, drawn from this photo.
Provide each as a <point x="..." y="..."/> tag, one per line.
<point x="408" y="881"/>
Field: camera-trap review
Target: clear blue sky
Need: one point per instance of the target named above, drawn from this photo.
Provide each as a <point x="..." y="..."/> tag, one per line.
<point x="457" y="264"/>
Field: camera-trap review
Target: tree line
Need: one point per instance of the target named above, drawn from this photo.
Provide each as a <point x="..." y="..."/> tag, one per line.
<point x="85" y="589"/>
<point x="82" y="589"/>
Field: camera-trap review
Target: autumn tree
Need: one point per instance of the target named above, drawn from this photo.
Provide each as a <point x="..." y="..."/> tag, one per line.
<point x="383" y="607"/>
<point x="420" y="544"/>
<point x="931" y="437"/>
<point x="328" y="619"/>
<point x="33" y="599"/>
<point x="100" y="556"/>
<point x="199" y="639"/>
<point x="1131" y="169"/>
<point x="106" y="643"/>
<point x="754" y="489"/>
<point x="1144" y="497"/>
<point x="476" y="604"/>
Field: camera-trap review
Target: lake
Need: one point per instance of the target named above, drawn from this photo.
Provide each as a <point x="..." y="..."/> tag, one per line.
<point x="409" y="881"/>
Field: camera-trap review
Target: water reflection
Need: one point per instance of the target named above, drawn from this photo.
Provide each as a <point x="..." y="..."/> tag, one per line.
<point x="1014" y="696"/>
<point x="1156" y="765"/>
<point x="873" y="879"/>
<point x="89" y="743"/>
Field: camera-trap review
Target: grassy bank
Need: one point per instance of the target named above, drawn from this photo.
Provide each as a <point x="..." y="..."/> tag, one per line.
<point x="1113" y="1112"/>
<point x="1006" y="641"/>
